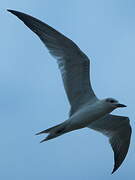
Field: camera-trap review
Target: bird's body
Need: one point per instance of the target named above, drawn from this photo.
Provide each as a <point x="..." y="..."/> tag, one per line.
<point x="86" y="109"/>
<point x="89" y="113"/>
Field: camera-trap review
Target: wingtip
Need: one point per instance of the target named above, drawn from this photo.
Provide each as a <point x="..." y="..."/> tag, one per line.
<point x="20" y="15"/>
<point x="27" y="19"/>
<point x="11" y="11"/>
<point x="16" y="13"/>
<point x="8" y="10"/>
<point x="113" y="171"/>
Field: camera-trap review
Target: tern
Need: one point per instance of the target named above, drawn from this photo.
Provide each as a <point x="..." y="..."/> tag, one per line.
<point x="86" y="109"/>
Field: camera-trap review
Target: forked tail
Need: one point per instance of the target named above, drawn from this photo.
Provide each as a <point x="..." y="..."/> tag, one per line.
<point x="53" y="132"/>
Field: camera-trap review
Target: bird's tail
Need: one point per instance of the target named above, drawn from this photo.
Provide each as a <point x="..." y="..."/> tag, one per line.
<point x="53" y="132"/>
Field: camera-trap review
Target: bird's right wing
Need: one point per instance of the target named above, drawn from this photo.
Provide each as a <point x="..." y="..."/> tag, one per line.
<point x="73" y="63"/>
<point x="118" y="129"/>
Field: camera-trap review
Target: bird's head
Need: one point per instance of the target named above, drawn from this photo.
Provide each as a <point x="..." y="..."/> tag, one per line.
<point x="113" y="103"/>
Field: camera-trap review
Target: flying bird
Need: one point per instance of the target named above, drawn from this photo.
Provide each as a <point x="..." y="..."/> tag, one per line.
<point x="86" y="109"/>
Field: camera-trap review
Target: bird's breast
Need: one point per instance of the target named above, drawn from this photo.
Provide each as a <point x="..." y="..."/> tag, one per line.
<point x="86" y="115"/>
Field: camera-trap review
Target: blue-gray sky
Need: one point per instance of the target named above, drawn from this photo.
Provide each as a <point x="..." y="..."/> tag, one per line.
<point x="32" y="96"/>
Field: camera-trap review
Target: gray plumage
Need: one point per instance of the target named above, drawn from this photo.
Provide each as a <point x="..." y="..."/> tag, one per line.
<point x="86" y="109"/>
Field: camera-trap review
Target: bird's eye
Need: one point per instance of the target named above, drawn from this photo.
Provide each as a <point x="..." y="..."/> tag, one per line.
<point x="112" y="101"/>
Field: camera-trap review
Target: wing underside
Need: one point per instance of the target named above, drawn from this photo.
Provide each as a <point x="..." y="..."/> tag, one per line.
<point x="72" y="62"/>
<point x="118" y="130"/>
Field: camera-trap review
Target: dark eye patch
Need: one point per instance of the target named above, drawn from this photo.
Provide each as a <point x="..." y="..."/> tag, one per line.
<point x="111" y="100"/>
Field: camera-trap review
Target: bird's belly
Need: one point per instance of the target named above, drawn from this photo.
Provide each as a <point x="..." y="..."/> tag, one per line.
<point x="84" y="117"/>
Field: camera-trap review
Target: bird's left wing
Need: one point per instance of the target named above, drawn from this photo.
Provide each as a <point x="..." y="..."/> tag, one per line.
<point x="118" y="129"/>
<point x="73" y="63"/>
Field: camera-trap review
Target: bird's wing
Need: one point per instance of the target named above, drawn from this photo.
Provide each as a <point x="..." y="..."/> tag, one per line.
<point x="73" y="63"/>
<point x="118" y="129"/>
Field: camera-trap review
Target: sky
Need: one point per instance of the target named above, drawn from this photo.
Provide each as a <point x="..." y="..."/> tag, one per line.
<point x="32" y="97"/>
